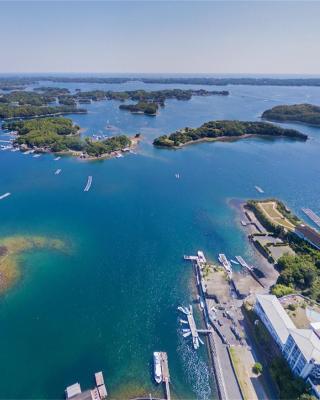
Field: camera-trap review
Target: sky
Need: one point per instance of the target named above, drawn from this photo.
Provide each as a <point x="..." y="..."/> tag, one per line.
<point x="254" y="37"/>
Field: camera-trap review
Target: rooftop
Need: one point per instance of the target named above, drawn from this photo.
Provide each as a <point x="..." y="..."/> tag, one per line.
<point x="276" y="314"/>
<point x="308" y="343"/>
<point x="309" y="233"/>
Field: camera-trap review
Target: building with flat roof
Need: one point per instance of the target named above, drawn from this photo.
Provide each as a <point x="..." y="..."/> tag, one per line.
<point x="308" y="234"/>
<point x="300" y="347"/>
<point x="274" y="317"/>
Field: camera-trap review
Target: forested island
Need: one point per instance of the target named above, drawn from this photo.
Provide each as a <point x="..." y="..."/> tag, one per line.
<point x="186" y="80"/>
<point x="50" y="101"/>
<point x="158" y="96"/>
<point x="142" y="107"/>
<point x="60" y="135"/>
<point x="304" y="113"/>
<point x="220" y="130"/>
<point x="27" y="111"/>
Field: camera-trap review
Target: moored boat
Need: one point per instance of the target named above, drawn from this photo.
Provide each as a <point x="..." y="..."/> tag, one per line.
<point x="157" y="367"/>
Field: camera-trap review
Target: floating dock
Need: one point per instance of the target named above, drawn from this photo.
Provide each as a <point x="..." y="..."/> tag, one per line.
<point x="88" y="185"/>
<point x="312" y="215"/>
<point x="4" y="196"/>
<point x="192" y="328"/>
<point x="243" y="263"/>
<point x="165" y="373"/>
<point x="100" y="385"/>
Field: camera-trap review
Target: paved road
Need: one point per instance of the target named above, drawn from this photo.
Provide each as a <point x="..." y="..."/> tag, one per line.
<point x="230" y="382"/>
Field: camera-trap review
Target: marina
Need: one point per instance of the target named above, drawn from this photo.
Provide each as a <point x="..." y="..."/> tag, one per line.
<point x="88" y="185"/>
<point x="312" y="215"/>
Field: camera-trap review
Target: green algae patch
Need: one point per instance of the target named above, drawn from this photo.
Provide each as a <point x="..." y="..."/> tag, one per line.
<point x="12" y="247"/>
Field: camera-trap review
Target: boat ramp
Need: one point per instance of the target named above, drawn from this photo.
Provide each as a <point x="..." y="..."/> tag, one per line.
<point x="312" y="215"/>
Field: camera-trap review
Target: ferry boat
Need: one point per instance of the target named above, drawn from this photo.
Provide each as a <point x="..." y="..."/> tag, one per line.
<point x="225" y="263"/>
<point x="157" y="367"/>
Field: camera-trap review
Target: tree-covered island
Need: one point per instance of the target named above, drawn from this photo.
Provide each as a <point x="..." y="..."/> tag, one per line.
<point x="222" y="130"/>
<point x="59" y="135"/>
<point x="24" y="104"/>
<point x="50" y="101"/>
<point x="142" y="107"/>
<point x="303" y="113"/>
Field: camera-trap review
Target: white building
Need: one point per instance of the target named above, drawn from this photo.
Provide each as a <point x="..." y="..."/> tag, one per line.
<point x="274" y="317"/>
<point x="300" y="347"/>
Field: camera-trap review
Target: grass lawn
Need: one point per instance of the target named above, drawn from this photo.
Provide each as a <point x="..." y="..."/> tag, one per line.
<point x="270" y="211"/>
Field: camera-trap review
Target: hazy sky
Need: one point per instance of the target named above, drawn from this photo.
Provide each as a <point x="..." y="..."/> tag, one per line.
<point x="151" y="36"/>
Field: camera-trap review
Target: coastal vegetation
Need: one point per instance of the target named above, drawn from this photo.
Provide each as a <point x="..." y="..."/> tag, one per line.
<point x="141" y="107"/>
<point x="304" y="113"/>
<point x="215" y="130"/>
<point x="300" y="271"/>
<point x="58" y="134"/>
<point x="10" y="249"/>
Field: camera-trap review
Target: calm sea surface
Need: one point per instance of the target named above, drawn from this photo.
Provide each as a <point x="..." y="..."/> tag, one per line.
<point x="112" y="301"/>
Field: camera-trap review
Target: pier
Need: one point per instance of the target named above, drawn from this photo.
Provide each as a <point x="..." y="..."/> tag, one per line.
<point x="191" y="330"/>
<point x="165" y="373"/>
<point x="88" y="185"/>
<point x="99" y="392"/>
<point x="312" y="215"/>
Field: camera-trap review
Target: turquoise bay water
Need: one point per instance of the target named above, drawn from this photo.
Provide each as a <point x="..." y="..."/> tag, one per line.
<point x="110" y="302"/>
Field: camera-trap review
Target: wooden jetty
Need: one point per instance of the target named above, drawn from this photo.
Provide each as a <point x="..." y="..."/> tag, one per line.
<point x="165" y="373"/>
<point x="312" y="215"/>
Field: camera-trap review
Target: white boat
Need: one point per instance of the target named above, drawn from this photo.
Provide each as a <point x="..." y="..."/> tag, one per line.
<point x="258" y="189"/>
<point x="4" y="196"/>
<point x="36" y="155"/>
<point x="186" y="334"/>
<point x="226" y="264"/>
<point x="177" y="176"/>
<point x="234" y="262"/>
<point x="88" y="185"/>
<point x="157" y="367"/>
<point x="57" y="158"/>
<point x="57" y="171"/>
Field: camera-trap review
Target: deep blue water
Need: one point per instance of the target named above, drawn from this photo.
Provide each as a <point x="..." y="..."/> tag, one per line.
<point x="112" y="301"/>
